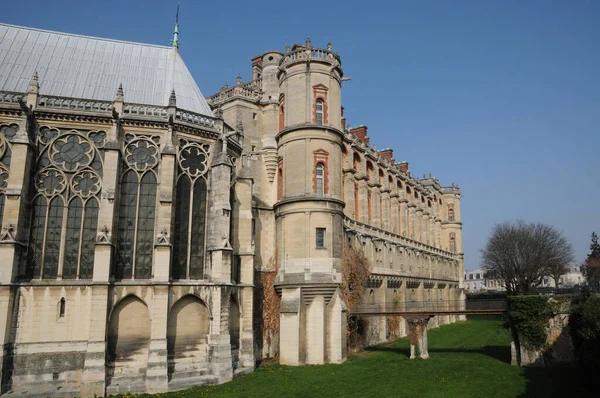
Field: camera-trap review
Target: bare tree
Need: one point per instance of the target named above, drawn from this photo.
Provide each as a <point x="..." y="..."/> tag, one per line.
<point x="524" y="253"/>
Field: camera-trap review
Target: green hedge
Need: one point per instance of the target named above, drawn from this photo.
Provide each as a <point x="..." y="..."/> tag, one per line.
<point x="584" y="323"/>
<point x="529" y="316"/>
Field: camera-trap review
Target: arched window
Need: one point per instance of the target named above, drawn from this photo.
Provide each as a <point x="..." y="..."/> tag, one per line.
<point x="450" y="214"/>
<point x="7" y="133"/>
<point x="65" y="208"/>
<point x="137" y="208"/>
<point x="452" y="242"/>
<point x="320" y="176"/>
<point x="371" y="297"/>
<point x="319" y="112"/>
<point x="190" y="211"/>
<point x="62" y="307"/>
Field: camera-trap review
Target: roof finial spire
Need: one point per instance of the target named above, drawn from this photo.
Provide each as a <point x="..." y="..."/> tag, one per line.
<point x="175" y="41"/>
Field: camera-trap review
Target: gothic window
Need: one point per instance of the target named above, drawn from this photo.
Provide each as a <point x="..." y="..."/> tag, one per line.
<point x="190" y="210"/>
<point x="65" y="206"/>
<point x="452" y="242"/>
<point x="319" y="112"/>
<point x="7" y="132"/>
<point x="450" y="214"/>
<point x="320" y="178"/>
<point x="137" y="208"/>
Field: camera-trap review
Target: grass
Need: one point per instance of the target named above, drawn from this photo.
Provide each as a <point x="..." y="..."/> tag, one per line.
<point x="467" y="359"/>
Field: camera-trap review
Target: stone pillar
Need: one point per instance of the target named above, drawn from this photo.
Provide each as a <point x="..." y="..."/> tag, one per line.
<point x="218" y="220"/>
<point x="418" y="224"/>
<point x="315" y="331"/>
<point x="336" y="330"/>
<point x="411" y="221"/>
<point x="242" y="213"/>
<point x="386" y="219"/>
<point x="363" y="202"/>
<point x="394" y="216"/>
<point x="349" y="193"/>
<point x="404" y="218"/>
<point x="13" y="236"/>
<point x="417" y="332"/>
<point x="375" y="205"/>
<point x="438" y="233"/>
<point x="289" y="329"/>
<point x="220" y="343"/>
<point x="157" y="372"/>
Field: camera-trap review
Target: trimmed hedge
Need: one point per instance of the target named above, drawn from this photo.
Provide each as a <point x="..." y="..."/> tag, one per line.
<point x="584" y="323"/>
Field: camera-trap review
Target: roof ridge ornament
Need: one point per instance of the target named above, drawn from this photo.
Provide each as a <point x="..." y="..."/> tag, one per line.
<point x="34" y="84"/>
<point x="119" y="93"/>
<point x="173" y="99"/>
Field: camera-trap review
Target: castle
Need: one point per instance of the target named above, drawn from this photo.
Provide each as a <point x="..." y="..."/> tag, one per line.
<point x="139" y="218"/>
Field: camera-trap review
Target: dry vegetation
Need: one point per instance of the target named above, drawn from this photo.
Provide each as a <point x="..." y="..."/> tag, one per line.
<point x="271" y="301"/>
<point x="355" y="275"/>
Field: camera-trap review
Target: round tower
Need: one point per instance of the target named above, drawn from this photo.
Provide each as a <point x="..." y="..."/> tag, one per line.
<point x="309" y="207"/>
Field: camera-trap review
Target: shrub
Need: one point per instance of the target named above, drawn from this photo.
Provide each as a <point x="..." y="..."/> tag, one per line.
<point x="584" y="323"/>
<point x="529" y="316"/>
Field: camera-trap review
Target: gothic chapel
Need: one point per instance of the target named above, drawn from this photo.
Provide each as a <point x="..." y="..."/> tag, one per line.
<point x="139" y="218"/>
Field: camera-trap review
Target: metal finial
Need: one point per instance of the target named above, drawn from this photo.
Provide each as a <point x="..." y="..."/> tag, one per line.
<point x="175" y="41"/>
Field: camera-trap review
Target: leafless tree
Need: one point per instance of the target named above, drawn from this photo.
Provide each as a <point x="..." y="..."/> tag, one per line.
<point x="524" y="253"/>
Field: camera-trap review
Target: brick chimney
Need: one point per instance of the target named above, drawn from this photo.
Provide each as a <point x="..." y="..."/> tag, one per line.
<point x="361" y="133"/>
<point x="403" y="166"/>
<point x="387" y="154"/>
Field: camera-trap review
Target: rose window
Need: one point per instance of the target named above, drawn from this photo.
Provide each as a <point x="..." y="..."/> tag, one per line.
<point x="141" y="155"/>
<point x="71" y="152"/>
<point x="193" y="161"/>
<point x="50" y="181"/>
<point x="86" y="183"/>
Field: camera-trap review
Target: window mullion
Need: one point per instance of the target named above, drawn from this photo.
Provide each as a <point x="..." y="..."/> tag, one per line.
<point x="43" y="258"/>
<point x="189" y="234"/>
<point x="63" y="239"/>
<point x="137" y="213"/>
<point x="79" y="252"/>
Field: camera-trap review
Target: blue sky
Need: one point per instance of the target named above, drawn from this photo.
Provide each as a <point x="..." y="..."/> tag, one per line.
<point x="501" y="97"/>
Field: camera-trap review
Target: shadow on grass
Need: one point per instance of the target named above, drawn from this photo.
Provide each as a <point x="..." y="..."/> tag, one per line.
<point x="500" y="353"/>
<point x="556" y="382"/>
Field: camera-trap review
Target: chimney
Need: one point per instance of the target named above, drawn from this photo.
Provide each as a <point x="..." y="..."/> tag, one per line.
<point x="361" y="133"/>
<point x="403" y="166"/>
<point x="387" y="154"/>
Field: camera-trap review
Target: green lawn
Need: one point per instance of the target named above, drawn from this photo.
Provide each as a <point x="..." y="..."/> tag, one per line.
<point x="467" y="359"/>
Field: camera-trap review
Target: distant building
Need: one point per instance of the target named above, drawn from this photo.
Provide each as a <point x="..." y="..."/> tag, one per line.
<point x="573" y="277"/>
<point x="480" y="279"/>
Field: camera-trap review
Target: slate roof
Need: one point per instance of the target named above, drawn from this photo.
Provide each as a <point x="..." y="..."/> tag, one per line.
<point x="76" y="66"/>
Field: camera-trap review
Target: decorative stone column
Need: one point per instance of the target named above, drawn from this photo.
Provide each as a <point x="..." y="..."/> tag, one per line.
<point x="411" y="221"/>
<point x="363" y="202"/>
<point x="417" y="332"/>
<point x="386" y="221"/>
<point x="395" y="214"/>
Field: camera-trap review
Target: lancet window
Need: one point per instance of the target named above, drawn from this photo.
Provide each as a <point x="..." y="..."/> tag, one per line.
<point x="137" y="207"/>
<point x="65" y="207"/>
<point x="189" y="244"/>
<point x="7" y="133"/>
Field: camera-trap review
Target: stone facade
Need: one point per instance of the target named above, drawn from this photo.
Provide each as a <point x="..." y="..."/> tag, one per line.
<point x="319" y="185"/>
<point x="132" y="234"/>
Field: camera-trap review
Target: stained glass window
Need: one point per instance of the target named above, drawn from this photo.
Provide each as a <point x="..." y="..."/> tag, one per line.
<point x="190" y="212"/>
<point x="127" y="223"/>
<point x="69" y="170"/>
<point x="137" y="209"/>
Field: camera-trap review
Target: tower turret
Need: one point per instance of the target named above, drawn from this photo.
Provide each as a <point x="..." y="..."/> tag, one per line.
<point x="309" y="207"/>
